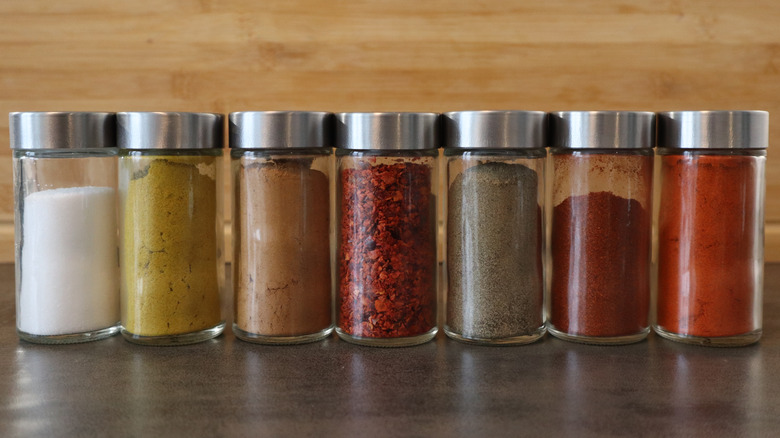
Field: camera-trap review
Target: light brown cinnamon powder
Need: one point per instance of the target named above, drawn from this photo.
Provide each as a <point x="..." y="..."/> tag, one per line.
<point x="282" y="272"/>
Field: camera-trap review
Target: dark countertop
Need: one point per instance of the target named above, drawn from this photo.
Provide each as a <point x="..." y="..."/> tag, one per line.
<point x="229" y="387"/>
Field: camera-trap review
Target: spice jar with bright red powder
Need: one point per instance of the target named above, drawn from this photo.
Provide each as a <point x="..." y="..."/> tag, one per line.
<point x="386" y="206"/>
<point x="601" y="225"/>
<point x="710" y="226"/>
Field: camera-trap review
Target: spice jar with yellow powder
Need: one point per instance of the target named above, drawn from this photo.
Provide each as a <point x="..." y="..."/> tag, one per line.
<point x="171" y="235"/>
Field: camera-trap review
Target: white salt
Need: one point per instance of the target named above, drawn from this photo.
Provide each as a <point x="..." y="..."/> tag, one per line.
<point x="70" y="272"/>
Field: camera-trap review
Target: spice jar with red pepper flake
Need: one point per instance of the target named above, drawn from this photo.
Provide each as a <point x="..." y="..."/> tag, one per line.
<point x="710" y="226"/>
<point x="386" y="207"/>
<point x="495" y="232"/>
<point x="601" y="225"/>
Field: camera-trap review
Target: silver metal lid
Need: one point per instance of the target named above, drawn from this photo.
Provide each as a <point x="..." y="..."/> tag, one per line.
<point x="387" y="131"/>
<point x="280" y="129"/>
<point x="602" y="129"/>
<point x="494" y="129"/>
<point x="713" y="129"/>
<point x="62" y="130"/>
<point x="173" y="130"/>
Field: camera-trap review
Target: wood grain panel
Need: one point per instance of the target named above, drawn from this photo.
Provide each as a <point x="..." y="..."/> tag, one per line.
<point x="430" y="55"/>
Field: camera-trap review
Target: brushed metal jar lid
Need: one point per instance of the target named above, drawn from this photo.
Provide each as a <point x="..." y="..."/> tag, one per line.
<point x="387" y="131"/>
<point x="713" y="129"/>
<point x="494" y="129"/>
<point x="62" y="130"/>
<point x="280" y="129"/>
<point x="602" y="129"/>
<point x="170" y="130"/>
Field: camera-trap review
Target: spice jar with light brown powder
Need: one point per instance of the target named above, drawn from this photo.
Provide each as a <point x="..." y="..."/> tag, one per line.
<point x="710" y="226"/>
<point x="281" y="229"/>
<point x="601" y="225"/>
<point x="386" y="206"/>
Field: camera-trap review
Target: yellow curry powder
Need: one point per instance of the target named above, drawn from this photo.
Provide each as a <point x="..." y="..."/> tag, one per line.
<point x="171" y="284"/>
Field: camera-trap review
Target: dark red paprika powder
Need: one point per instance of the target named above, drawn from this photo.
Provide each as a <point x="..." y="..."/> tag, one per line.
<point x="601" y="225"/>
<point x="601" y="254"/>
<point x="387" y="250"/>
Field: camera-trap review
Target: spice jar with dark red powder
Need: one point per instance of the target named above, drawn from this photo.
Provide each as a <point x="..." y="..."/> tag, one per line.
<point x="601" y="225"/>
<point x="495" y="231"/>
<point x="386" y="207"/>
<point x="710" y="226"/>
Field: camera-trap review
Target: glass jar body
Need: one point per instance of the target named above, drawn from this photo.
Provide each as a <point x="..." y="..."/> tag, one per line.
<point x="710" y="246"/>
<point x="386" y="263"/>
<point x="601" y="245"/>
<point x="171" y="245"/>
<point x="494" y="246"/>
<point x="281" y="245"/>
<point x="67" y="270"/>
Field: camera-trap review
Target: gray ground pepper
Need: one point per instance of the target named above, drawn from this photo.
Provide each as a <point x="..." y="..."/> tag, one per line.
<point x="494" y="255"/>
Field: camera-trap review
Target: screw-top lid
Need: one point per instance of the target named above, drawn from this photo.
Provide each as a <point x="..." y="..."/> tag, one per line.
<point x="494" y="129"/>
<point x="62" y="130"/>
<point x="280" y="129"/>
<point x="171" y="130"/>
<point x="713" y="129"/>
<point x="387" y="131"/>
<point x="602" y="129"/>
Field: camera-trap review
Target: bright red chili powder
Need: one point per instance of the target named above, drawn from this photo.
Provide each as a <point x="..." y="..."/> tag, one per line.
<point x="707" y="245"/>
<point x="601" y="260"/>
<point x="387" y="251"/>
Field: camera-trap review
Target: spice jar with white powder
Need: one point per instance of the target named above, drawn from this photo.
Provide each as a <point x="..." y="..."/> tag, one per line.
<point x="281" y="226"/>
<point x="67" y="268"/>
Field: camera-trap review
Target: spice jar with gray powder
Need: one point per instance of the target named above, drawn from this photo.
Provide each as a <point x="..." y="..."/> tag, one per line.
<point x="281" y="228"/>
<point x="495" y="226"/>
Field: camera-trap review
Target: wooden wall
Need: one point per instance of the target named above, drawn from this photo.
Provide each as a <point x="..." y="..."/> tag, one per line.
<point x="432" y="55"/>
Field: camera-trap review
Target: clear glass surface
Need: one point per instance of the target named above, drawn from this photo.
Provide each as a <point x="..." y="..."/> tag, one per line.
<point x="495" y="246"/>
<point x="281" y="246"/>
<point x="601" y="245"/>
<point x="710" y="246"/>
<point x="386" y="263"/>
<point x="67" y="270"/>
<point x="172" y="242"/>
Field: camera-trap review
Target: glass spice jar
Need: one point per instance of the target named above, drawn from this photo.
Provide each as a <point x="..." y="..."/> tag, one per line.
<point x="495" y="226"/>
<point x="282" y="287"/>
<point x="601" y="225"/>
<point x="171" y="223"/>
<point x="711" y="226"/>
<point x="67" y="271"/>
<point x="386" y="206"/>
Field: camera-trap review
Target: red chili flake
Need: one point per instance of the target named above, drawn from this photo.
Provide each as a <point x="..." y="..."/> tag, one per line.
<point x="387" y="251"/>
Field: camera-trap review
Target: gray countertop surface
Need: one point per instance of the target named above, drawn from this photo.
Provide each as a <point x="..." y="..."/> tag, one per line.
<point x="226" y="387"/>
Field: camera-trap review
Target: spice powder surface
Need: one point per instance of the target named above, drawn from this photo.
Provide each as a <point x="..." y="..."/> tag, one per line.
<point x="387" y="249"/>
<point x="601" y="258"/>
<point x="708" y="245"/>
<point x="494" y="244"/>
<point x="600" y="246"/>
<point x="282" y="258"/>
<point x="170" y="276"/>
